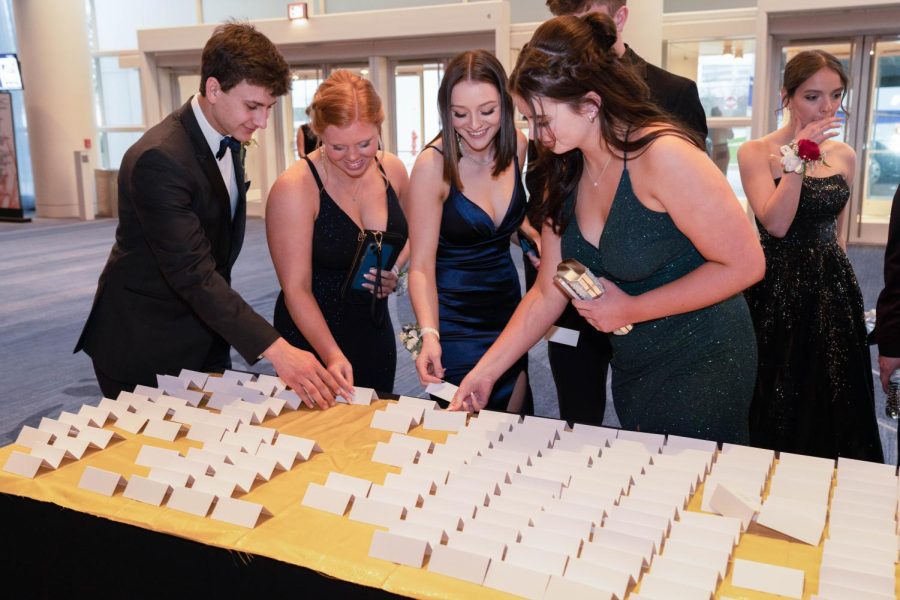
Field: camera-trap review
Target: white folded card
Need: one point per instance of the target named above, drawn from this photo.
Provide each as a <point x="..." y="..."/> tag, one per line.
<point x="517" y="580"/>
<point x="563" y="508"/>
<point x="653" y="442"/>
<point x="264" y="434"/>
<point x="404" y="498"/>
<point x="191" y="397"/>
<point x="456" y="508"/>
<point x="443" y="390"/>
<point x="698" y="536"/>
<point x="248" y="442"/>
<point x="144" y="489"/>
<point x="262" y="466"/>
<point x="290" y="397"/>
<point x="653" y="587"/>
<point x="624" y="542"/>
<point x="553" y="541"/>
<point x="389" y="421"/>
<point x="432" y="534"/>
<point x="195" y="378"/>
<point x="101" y="481"/>
<point x="192" y="501"/>
<point x="600" y="577"/>
<point x="423" y="485"/>
<point x="96" y="415"/>
<point x="442" y="420"/>
<point x="665" y="509"/>
<point x="561" y="588"/>
<point x="241" y="478"/>
<point x="767" y="578"/>
<point x="476" y="543"/>
<point x="228" y="451"/>
<point x="154" y="456"/>
<point x="682" y="550"/>
<point x="567" y="525"/>
<point x="283" y="457"/>
<point x="302" y="445"/>
<point x="459" y="564"/>
<point x="99" y="438"/>
<point x="687" y="443"/>
<point x="53" y="455"/>
<point x="704" y="577"/>
<point x="614" y="559"/>
<point x="26" y="465"/>
<point x="730" y="502"/>
<point x="56" y="427"/>
<point x="219" y="400"/>
<point x="714" y="522"/>
<point x="238" y="512"/>
<point x="204" y="432"/>
<point x="562" y="335"/>
<point x="218" y="487"/>
<point x="361" y="395"/>
<point x="422" y="445"/>
<point x="266" y="388"/>
<point x="173" y="478"/>
<point x="28" y="436"/>
<point x="77" y="447"/>
<point x="800" y="520"/>
<point x="463" y="494"/>
<point x="327" y="499"/>
<point x="396" y="456"/>
<point x="447" y="522"/>
<point x="858" y="580"/>
<point x="375" y="512"/>
<point x="163" y="430"/>
<point x="536" y="559"/>
<point x="399" y="548"/>
<point x="131" y="422"/>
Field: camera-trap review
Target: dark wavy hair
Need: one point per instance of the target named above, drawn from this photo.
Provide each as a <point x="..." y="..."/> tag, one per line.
<point x="806" y="64"/>
<point x="569" y="7"/>
<point x="237" y="52"/>
<point x="478" y="66"/>
<point x="567" y="58"/>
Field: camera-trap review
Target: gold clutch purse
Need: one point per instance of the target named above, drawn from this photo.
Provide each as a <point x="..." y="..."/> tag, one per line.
<point x="577" y="281"/>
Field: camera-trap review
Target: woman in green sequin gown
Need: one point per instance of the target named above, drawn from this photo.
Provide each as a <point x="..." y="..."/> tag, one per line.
<point x="633" y="197"/>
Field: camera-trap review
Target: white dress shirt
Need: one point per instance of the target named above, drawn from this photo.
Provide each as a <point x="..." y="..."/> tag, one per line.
<point x="226" y="164"/>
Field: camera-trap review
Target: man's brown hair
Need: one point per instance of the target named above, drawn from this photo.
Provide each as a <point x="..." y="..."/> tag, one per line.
<point x="237" y="52"/>
<point x="570" y="7"/>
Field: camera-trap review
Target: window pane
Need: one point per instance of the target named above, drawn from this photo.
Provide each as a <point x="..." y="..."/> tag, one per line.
<point x="117" y="21"/>
<point x="723" y="147"/>
<point x="303" y="87"/>
<point x="113" y="145"/>
<point x="882" y="160"/>
<point x="723" y="70"/>
<point x="417" y="119"/>
<point x="118" y="93"/>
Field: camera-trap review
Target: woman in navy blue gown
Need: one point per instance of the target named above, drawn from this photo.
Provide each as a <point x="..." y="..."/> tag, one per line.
<point x="464" y="202"/>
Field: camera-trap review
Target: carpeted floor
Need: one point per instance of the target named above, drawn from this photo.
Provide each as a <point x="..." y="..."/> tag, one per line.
<point x="49" y="270"/>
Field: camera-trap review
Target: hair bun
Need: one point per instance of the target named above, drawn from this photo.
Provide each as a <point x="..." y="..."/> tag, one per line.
<point x="603" y="29"/>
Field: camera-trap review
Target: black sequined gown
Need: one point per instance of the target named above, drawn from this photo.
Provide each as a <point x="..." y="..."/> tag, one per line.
<point x="814" y="390"/>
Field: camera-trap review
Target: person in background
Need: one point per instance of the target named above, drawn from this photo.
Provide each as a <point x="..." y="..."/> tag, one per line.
<point x="317" y="215"/>
<point x="719" y="136"/>
<point x="634" y="198"/>
<point x="887" y="311"/>
<point x="814" y="392"/>
<point x="307" y="141"/>
<point x="466" y="199"/>
<point x="164" y="301"/>
<point x="579" y="372"/>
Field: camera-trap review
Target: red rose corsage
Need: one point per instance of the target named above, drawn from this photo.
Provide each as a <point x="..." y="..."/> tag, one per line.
<point x="799" y="155"/>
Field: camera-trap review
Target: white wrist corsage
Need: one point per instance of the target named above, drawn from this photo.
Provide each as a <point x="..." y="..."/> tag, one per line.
<point x="799" y="155"/>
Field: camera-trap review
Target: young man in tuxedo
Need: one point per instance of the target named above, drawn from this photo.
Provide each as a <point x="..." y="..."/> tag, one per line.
<point x="580" y="372"/>
<point x="887" y="310"/>
<point x="164" y="300"/>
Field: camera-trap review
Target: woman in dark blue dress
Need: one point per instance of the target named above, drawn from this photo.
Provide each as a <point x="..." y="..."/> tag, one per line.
<point x="316" y="212"/>
<point x="465" y="200"/>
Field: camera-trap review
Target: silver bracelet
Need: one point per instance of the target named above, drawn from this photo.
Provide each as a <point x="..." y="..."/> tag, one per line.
<point x="432" y="331"/>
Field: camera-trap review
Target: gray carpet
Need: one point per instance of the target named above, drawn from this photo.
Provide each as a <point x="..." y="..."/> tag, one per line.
<point x="49" y="270"/>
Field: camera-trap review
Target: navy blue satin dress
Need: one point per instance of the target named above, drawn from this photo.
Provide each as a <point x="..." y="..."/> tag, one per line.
<point x="478" y="287"/>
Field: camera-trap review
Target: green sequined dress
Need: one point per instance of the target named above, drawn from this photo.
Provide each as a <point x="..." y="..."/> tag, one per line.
<point x="690" y="374"/>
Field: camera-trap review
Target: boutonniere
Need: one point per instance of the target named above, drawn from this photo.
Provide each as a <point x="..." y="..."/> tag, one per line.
<point x="800" y="155"/>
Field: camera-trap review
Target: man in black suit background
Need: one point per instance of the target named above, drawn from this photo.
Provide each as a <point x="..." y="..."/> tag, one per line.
<point x="579" y="372"/>
<point x="887" y="310"/>
<point x="164" y="300"/>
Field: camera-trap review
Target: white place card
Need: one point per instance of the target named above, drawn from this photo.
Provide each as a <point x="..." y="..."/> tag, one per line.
<point x="687" y="443"/>
<point x="290" y="397"/>
<point x="654" y="534"/>
<point x="526" y="504"/>
<point x="699" y="536"/>
<point x="800" y="520"/>
<point x="147" y="391"/>
<point x="627" y="515"/>
<point x="536" y="559"/>
<point x="463" y="494"/>
<point x="447" y="522"/>
<point x="484" y="528"/>
<point x="219" y="400"/>
<point x="264" y="434"/>
<point x="190" y="415"/>
<point x="494" y="416"/>
<point x="207" y="457"/>
<point x="547" y="539"/>
<point x="75" y="446"/>
<point x="262" y="466"/>
<point x="664" y="509"/>
<point x="116" y="409"/>
<point x="171" y="382"/>
<point x="57" y="428"/>
<point x="561" y="588"/>
<point x="242" y="478"/>
<point x="238" y="376"/>
<point x="572" y="527"/>
<point x="562" y="335"/>
<point x="274" y="406"/>
<point x="355" y="485"/>
<point x="248" y="442"/>
<point x="173" y="478"/>
<point x="195" y="378"/>
<point x="456" y="508"/>
<point x="218" y="487"/>
<point x="53" y="455"/>
<point x="404" y="498"/>
<point x="399" y="548"/>
<point x="267" y="389"/>
<point x="886" y="541"/>
<point x="304" y="446"/>
<point x="191" y="397"/>
<point x="832" y="591"/>
<point x="489" y="547"/>
<point x="443" y="420"/>
<point x="238" y="512"/>
<point x="767" y="578"/>
<point x="452" y="464"/>
<point x="283" y="457"/>
<point x="388" y="421"/>
<point x="517" y="580"/>
<point x="361" y="395"/>
<point x="227" y="451"/>
<point x="591" y="513"/>
<point x="624" y="543"/>
<point x="432" y="534"/>
<point x="96" y="416"/>
<point x="26" y="465"/>
<point x="99" y="438"/>
<point x="761" y="454"/>
<point x="730" y="502"/>
<point x="101" y="481"/>
<point x="205" y="432"/>
<point x="328" y="499"/>
<point x="422" y="485"/>
<point x="433" y="473"/>
<point x="422" y="445"/>
<point x="275" y="381"/>
<point x="375" y="512"/>
<point x="653" y="442"/>
<point x="443" y="390"/>
<point x="144" y="489"/>
<point x="163" y="430"/>
<point x="617" y="560"/>
<point x="130" y="397"/>
<point x="714" y="522"/>
<point x="831" y="560"/>
<point x="131" y="422"/>
<point x="857" y="580"/>
<point x="459" y="564"/>
<point x="154" y="456"/>
<point x="653" y="587"/>
<point x="682" y="550"/>
<point x="190" y="500"/>
<point x="600" y="577"/>
<point x="29" y="436"/>
<point x="395" y="456"/>
<point x="703" y="577"/>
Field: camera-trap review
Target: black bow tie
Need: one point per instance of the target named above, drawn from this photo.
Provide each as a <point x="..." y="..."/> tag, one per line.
<point x="228" y="142"/>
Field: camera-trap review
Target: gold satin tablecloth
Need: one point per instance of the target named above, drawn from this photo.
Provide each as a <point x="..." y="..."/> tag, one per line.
<point x="332" y="545"/>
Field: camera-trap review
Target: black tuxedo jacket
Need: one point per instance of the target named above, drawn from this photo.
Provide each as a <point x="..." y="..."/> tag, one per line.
<point x="164" y="299"/>
<point x="887" y="311"/>
<point x="676" y="95"/>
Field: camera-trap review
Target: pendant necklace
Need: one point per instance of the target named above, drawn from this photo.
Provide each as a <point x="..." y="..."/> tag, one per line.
<point x="587" y="169"/>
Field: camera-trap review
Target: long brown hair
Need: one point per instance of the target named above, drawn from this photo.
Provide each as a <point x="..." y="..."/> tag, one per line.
<point x="806" y="64"/>
<point x="567" y="58"/>
<point x="479" y="66"/>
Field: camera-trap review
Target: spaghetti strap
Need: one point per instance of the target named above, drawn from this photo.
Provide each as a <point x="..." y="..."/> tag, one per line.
<point x="435" y="148"/>
<point x="315" y="173"/>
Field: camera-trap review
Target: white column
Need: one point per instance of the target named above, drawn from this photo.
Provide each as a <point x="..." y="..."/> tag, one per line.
<point x="643" y="31"/>
<point x="59" y="103"/>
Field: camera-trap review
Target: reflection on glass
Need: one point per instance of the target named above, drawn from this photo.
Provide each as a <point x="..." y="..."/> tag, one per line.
<point x="882" y="158"/>
<point x="417" y="121"/>
<point x="723" y="70"/>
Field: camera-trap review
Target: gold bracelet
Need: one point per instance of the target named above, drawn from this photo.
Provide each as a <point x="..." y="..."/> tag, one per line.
<point x="432" y="331"/>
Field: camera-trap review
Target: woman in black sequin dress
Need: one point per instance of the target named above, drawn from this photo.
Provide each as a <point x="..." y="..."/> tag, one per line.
<point x="315" y="213"/>
<point x="814" y="391"/>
